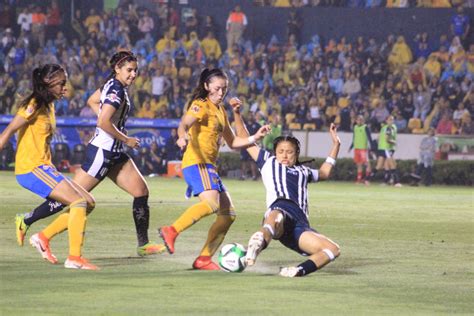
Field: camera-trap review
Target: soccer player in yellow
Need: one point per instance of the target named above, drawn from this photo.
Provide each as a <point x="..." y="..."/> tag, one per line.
<point x="200" y="132"/>
<point x="36" y="123"/>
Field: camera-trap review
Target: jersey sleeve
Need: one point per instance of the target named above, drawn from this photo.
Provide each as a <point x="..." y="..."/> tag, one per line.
<point x="28" y="112"/>
<point x="197" y="109"/>
<point x="114" y="97"/>
<point x="313" y="175"/>
<point x="263" y="155"/>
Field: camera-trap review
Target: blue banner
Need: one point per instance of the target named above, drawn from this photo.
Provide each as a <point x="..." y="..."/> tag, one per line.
<point x="73" y="131"/>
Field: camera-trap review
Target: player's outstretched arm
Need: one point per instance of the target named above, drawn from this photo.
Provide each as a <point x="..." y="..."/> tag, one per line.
<point x="326" y="167"/>
<point x="94" y="101"/>
<point x="14" y="125"/>
<point x="241" y="129"/>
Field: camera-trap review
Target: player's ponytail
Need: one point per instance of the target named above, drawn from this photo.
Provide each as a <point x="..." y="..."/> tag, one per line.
<point x="42" y="76"/>
<point x="200" y="91"/>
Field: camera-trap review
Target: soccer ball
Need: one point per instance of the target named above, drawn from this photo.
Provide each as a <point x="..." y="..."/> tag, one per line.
<point x="231" y="257"/>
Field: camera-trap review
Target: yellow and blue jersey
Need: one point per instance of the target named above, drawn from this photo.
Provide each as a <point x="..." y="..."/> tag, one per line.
<point x="205" y="135"/>
<point x="34" y="138"/>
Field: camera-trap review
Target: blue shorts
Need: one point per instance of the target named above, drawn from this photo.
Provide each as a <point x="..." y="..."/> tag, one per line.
<point x="42" y="180"/>
<point x="295" y="224"/>
<point x="202" y="177"/>
<point x="100" y="161"/>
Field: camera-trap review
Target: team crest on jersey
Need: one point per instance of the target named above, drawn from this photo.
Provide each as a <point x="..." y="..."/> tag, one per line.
<point x="113" y="97"/>
<point x="195" y="108"/>
<point x="30" y="109"/>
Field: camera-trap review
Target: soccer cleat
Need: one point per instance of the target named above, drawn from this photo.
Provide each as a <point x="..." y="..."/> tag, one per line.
<point x="73" y="262"/>
<point x="21" y="228"/>
<point x="398" y="185"/>
<point x="254" y="247"/>
<point x="168" y="234"/>
<point x="42" y="245"/>
<point x="205" y="263"/>
<point x="290" y="272"/>
<point x="150" y="249"/>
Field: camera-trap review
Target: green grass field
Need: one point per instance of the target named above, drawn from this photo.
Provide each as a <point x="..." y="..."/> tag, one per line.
<point x="403" y="251"/>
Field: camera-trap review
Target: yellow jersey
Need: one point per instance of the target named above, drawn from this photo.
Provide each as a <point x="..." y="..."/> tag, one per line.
<point x="34" y="138"/>
<point x="205" y="135"/>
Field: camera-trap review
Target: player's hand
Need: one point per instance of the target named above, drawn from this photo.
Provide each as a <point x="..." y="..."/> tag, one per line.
<point x="132" y="142"/>
<point x="262" y="132"/>
<point x="182" y="142"/>
<point x="333" y="131"/>
<point x="236" y="104"/>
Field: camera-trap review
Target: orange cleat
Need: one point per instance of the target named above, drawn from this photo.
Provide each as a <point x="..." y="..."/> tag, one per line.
<point x="41" y="244"/>
<point x="205" y="263"/>
<point x="73" y="262"/>
<point x="168" y="234"/>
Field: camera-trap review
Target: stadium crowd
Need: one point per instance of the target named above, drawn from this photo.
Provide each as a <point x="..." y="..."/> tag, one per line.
<point x="308" y="85"/>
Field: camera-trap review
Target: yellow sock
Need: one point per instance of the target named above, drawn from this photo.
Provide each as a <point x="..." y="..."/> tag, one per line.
<point x="57" y="226"/>
<point x="193" y="214"/>
<point x="76" y="226"/>
<point x="216" y="234"/>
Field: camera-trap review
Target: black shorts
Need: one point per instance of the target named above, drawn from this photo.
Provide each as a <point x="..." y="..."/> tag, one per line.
<point x="100" y="161"/>
<point x="295" y="224"/>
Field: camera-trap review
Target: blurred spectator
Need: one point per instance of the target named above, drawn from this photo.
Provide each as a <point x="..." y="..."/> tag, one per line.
<point x="294" y="26"/>
<point x="460" y="24"/>
<point x="235" y="26"/>
<point x="146" y="23"/>
<point x="445" y="125"/>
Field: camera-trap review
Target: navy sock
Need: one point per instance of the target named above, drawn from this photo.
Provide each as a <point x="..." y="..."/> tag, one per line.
<point x="47" y="208"/>
<point x="141" y="216"/>
<point x="307" y="267"/>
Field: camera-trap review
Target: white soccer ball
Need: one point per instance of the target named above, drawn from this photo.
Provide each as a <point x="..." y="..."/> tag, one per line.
<point x="231" y="257"/>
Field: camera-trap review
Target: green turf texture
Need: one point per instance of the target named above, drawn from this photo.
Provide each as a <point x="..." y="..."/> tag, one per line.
<point x="404" y="251"/>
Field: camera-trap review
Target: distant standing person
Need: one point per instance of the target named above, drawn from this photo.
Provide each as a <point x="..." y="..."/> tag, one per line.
<point x="361" y="142"/>
<point x="247" y="163"/>
<point x="426" y="160"/>
<point x="386" y="149"/>
<point x="235" y="26"/>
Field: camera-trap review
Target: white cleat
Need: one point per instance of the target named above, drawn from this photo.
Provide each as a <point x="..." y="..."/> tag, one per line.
<point x="290" y="272"/>
<point x="254" y="247"/>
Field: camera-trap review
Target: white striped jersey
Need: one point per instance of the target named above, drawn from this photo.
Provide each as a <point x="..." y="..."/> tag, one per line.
<point x="283" y="182"/>
<point x="113" y="93"/>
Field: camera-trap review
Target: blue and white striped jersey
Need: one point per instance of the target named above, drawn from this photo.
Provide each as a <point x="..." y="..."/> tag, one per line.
<point x="113" y="93"/>
<point x="283" y="182"/>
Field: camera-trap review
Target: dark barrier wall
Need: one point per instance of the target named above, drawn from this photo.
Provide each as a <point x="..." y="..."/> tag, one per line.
<point x="334" y="22"/>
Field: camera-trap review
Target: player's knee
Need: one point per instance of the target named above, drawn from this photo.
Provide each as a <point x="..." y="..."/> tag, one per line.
<point x="214" y="206"/>
<point x="229" y="214"/>
<point x="332" y="251"/>
<point x="90" y="205"/>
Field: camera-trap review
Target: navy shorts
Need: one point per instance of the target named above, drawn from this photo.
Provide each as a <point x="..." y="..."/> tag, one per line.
<point x="295" y="224"/>
<point x="385" y="153"/>
<point x="100" y="161"/>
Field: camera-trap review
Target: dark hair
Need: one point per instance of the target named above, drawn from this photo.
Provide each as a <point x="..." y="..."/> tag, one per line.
<point x="41" y="79"/>
<point x="200" y="91"/>
<point x="295" y="142"/>
<point x="119" y="59"/>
